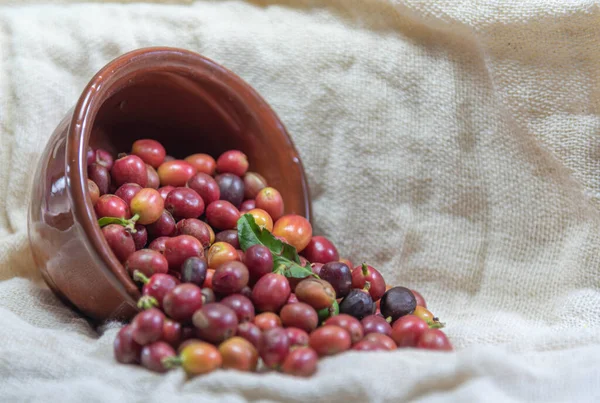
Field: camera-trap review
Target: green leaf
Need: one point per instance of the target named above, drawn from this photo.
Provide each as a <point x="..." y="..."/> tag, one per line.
<point x="250" y="234"/>
<point x="289" y="268"/>
<point x="290" y="253"/>
<point x="285" y="257"/>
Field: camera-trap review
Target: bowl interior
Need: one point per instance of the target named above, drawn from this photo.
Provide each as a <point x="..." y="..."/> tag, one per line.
<point x="202" y="111"/>
<point x="191" y="105"/>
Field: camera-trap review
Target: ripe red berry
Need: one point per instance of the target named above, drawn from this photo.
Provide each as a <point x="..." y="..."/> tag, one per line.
<point x="361" y="275"/>
<point x="129" y="169"/>
<point x="407" y="330"/>
<point x="150" y="151"/>
<point x="234" y="162"/>
<point x="320" y="250"/>
<point x="181" y="302"/>
<point x="147" y="326"/>
<point x="330" y="339"/>
<point x="300" y="362"/>
<point x="434" y="339"/>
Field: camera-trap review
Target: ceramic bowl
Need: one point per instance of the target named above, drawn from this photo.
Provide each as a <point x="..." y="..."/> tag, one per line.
<point x="187" y="102"/>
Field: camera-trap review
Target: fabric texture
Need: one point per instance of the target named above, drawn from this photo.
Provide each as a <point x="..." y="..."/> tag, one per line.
<point x="454" y="145"/>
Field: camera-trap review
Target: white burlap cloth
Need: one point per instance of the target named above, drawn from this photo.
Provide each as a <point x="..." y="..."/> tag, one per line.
<point x="454" y="145"/>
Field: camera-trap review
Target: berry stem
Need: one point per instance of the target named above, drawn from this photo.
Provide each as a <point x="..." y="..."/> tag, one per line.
<point x="367" y="286"/>
<point x="129" y="224"/>
<point x="436" y="325"/>
<point x="147" y="302"/>
<point x="140" y="277"/>
<point x="171" y="362"/>
<point x="280" y="269"/>
<point x="365" y="269"/>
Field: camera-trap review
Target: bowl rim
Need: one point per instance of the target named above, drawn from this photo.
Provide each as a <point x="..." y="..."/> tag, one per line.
<point x="84" y="113"/>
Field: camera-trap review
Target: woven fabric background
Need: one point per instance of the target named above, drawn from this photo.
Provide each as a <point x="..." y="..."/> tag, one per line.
<point x="454" y="145"/>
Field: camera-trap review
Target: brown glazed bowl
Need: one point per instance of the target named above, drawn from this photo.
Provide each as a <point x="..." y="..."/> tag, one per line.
<point x="184" y="100"/>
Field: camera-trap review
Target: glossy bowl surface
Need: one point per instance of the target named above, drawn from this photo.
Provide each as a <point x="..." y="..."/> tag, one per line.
<point x="187" y="102"/>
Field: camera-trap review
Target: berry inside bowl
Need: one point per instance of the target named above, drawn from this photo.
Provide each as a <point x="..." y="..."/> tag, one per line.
<point x="190" y="105"/>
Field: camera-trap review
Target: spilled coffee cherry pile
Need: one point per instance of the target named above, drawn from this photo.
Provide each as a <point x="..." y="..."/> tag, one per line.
<point x="223" y="283"/>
